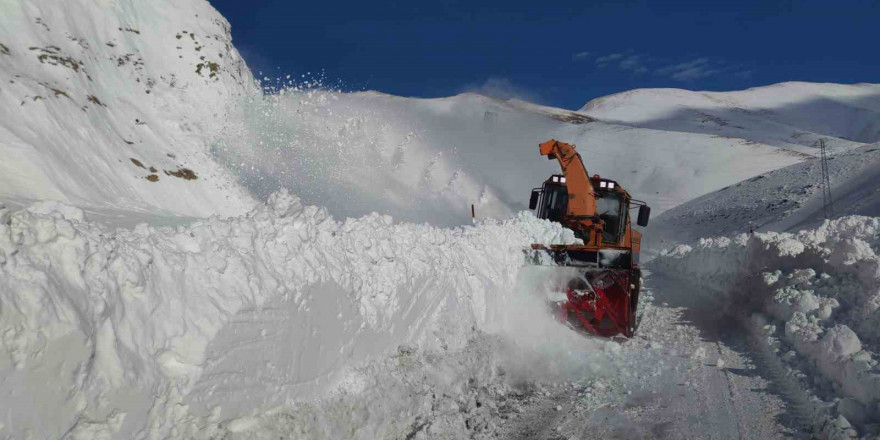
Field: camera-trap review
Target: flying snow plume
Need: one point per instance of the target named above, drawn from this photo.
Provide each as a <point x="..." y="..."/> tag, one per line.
<point x="355" y="154"/>
<point x="538" y="346"/>
<point x="430" y="160"/>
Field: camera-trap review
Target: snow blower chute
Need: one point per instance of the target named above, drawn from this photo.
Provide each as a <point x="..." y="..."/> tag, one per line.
<point x="603" y="296"/>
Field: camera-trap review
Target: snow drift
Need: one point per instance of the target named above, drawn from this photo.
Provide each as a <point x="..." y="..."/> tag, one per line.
<point x="109" y="333"/>
<point x="818" y="291"/>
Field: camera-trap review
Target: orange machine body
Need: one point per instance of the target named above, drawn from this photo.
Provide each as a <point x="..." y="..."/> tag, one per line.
<point x="598" y="211"/>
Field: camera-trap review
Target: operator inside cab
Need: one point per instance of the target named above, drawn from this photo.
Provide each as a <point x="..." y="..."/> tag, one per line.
<point x="609" y="205"/>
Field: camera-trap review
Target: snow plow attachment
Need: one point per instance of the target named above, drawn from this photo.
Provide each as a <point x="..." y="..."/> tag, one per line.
<point x="592" y="298"/>
<point x="606" y="311"/>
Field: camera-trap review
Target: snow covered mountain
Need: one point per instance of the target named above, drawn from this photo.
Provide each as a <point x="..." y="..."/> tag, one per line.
<point x="174" y="261"/>
<point x="791" y="116"/>
<point x="428" y="160"/>
<point x="108" y="116"/>
<point x="111" y="104"/>
<point x="788" y="199"/>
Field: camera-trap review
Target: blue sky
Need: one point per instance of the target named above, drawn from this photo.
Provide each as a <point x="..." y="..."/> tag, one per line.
<point x="559" y="53"/>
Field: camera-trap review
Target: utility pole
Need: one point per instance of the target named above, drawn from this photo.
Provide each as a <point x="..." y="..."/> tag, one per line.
<point x="827" y="201"/>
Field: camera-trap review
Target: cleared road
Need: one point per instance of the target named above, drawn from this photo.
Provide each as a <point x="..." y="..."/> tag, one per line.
<point x="691" y="372"/>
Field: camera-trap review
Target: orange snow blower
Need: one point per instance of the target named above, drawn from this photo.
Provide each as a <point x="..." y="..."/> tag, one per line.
<point x="603" y="295"/>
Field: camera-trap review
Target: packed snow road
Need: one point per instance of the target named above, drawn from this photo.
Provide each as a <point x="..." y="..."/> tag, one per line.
<point x="690" y="372"/>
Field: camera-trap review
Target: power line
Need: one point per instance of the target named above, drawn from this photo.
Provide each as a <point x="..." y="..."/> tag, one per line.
<point x="827" y="201"/>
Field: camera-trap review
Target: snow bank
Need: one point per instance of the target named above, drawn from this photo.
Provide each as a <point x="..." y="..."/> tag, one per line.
<point x="817" y="290"/>
<point x="109" y="333"/>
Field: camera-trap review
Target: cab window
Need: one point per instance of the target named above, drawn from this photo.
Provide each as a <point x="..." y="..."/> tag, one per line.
<point x="554" y="203"/>
<point x="609" y="206"/>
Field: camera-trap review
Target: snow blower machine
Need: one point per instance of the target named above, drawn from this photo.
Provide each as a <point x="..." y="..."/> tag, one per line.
<point x="602" y="277"/>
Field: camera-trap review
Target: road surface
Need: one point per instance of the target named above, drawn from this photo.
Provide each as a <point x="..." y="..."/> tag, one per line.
<point x="691" y="372"/>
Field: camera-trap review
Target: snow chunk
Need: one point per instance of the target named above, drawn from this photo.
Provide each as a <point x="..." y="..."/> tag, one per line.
<point x="850" y="251"/>
<point x="840" y="341"/>
<point x="57" y="210"/>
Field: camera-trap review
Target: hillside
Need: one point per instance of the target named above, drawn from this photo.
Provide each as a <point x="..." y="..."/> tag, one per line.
<point x="166" y="121"/>
<point x="114" y="118"/>
<point x="791" y="116"/>
<point x="428" y="160"/>
<point x="784" y="200"/>
<point x="113" y="106"/>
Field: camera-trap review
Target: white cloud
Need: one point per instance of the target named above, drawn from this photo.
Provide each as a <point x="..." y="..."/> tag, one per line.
<point x="671" y="69"/>
<point x="580" y="56"/>
<point x="694" y="69"/>
<point x="633" y="63"/>
<point x="693" y="73"/>
<point x="606" y="59"/>
<point x="689" y="70"/>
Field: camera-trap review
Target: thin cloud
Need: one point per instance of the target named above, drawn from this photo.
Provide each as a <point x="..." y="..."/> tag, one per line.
<point x="694" y="73"/>
<point x="671" y="69"/>
<point x="689" y="70"/>
<point x="633" y="63"/>
<point x="607" y="59"/>
<point x="580" y="56"/>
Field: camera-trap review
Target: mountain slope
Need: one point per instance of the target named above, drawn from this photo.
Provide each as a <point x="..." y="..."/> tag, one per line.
<point x="165" y="121"/>
<point x="428" y="160"/>
<point x="792" y="116"/>
<point x="112" y="105"/>
<point x="784" y="200"/>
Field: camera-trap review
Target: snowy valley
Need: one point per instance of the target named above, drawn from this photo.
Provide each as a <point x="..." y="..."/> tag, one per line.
<point x="186" y="254"/>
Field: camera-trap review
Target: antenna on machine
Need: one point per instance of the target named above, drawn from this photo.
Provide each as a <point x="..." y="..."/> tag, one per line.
<point x="827" y="201"/>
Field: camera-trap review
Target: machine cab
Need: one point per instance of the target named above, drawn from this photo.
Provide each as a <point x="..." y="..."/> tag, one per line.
<point x="551" y="200"/>
<point x="612" y="205"/>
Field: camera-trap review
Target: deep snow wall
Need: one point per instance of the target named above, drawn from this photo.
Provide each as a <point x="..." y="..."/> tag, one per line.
<point x="113" y="103"/>
<point x="107" y="332"/>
